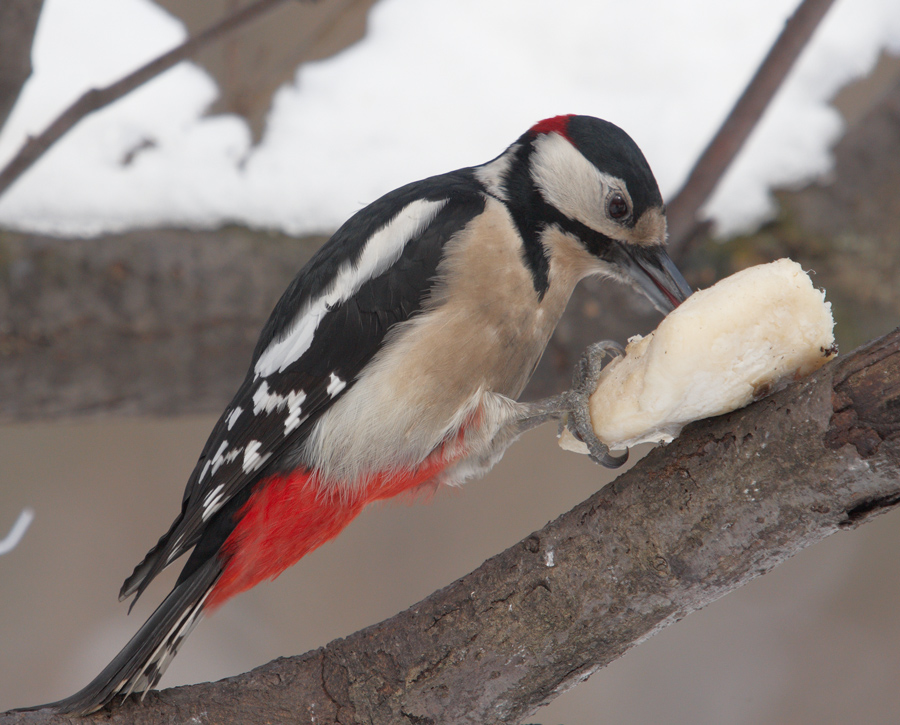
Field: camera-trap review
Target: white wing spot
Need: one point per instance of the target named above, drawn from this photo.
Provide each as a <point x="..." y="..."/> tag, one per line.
<point x="218" y="459"/>
<point x="294" y="419"/>
<point x="203" y="472"/>
<point x="212" y="502"/>
<point x="175" y="548"/>
<point x="252" y="460"/>
<point x="335" y="386"/>
<point x="233" y="416"/>
<point x="382" y="249"/>
<point x="263" y="400"/>
<point x="212" y="495"/>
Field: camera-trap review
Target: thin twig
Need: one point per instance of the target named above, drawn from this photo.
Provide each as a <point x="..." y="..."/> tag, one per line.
<point x="97" y="98"/>
<point x="718" y="155"/>
<point x="12" y="539"/>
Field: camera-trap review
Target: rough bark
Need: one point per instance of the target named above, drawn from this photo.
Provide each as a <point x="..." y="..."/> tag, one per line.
<point x="731" y="498"/>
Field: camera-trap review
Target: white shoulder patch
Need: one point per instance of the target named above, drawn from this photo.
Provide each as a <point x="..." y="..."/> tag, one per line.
<point x="381" y="251"/>
<point x="492" y="173"/>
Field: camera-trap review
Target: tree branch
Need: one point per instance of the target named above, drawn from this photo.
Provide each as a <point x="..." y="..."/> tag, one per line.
<point x="18" y="21"/>
<point x="730" y="499"/>
<point x="97" y="98"/>
<point x="736" y="129"/>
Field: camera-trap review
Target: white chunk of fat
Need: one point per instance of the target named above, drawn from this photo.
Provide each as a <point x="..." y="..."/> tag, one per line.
<point x="721" y="349"/>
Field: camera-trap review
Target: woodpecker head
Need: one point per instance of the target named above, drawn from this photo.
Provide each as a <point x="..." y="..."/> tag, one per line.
<point x="584" y="181"/>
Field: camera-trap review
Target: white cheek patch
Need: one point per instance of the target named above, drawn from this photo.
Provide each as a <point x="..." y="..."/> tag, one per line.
<point x="381" y="251"/>
<point x="571" y="183"/>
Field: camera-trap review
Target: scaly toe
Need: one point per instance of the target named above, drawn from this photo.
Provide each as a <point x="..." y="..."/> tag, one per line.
<point x="584" y="382"/>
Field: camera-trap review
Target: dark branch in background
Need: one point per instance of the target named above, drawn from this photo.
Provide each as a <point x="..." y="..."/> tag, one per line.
<point x="97" y="98"/>
<point x="158" y="322"/>
<point x="730" y="499"/>
<point x="718" y="155"/>
<point x="163" y="322"/>
<point x="18" y="21"/>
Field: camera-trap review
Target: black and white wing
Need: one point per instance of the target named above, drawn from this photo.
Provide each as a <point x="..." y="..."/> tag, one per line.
<point x="375" y="272"/>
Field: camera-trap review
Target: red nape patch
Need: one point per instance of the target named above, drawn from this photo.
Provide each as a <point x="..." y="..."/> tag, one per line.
<point x="557" y="124"/>
<point x="289" y="516"/>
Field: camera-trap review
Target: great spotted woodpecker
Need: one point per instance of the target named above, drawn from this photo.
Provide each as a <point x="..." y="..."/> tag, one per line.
<point x="393" y="362"/>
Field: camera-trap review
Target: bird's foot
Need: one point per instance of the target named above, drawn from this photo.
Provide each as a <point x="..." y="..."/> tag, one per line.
<point x="572" y="408"/>
<point x="584" y="382"/>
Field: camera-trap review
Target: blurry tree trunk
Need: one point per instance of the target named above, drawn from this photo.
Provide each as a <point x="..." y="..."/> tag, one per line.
<point x="730" y="499"/>
<point x="163" y="322"/>
<point x="18" y="21"/>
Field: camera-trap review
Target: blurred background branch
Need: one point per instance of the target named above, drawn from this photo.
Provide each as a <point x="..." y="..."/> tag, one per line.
<point x="97" y="98"/>
<point x="12" y="539"/>
<point x="737" y="127"/>
<point x="18" y="21"/>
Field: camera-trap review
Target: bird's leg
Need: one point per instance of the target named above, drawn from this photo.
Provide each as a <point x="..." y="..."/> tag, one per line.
<point x="584" y="382"/>
<point x="571" y="408"/>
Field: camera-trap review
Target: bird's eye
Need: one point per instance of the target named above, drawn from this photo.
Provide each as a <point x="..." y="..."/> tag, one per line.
<point x="617" y="206"/>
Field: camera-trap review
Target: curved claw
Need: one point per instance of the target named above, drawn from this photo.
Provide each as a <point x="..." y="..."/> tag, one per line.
<point x="583" y="431"/>
<point x="611" y="461"/>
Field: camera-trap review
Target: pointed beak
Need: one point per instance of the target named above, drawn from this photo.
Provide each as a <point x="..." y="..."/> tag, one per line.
<point x="651" y="271"/>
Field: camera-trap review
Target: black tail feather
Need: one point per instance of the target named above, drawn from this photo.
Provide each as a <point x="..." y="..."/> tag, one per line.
<point x="157" y="559"/>
<point x="143" y="660"/>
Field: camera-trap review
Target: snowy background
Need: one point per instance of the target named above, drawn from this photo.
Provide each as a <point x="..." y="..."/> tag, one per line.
<point x="434" y="86"/>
